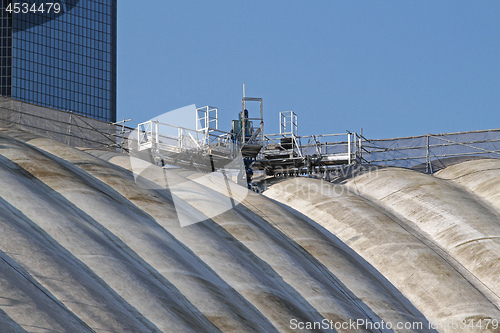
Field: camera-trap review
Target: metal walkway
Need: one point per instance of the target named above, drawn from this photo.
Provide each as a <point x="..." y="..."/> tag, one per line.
<point x="207" y="148"/>
<point x="287" y="153"/>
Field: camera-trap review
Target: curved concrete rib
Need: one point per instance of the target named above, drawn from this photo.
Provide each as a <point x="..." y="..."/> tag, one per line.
<point x="64" y="276"/>
<point x="354" y="276"/>
<point x="150" y="245"/>
<point x="25" y="308"/>
<point x="101" y="252"/>
<point x="481" y="177"/>
<point x="406" y="258"/>
<point x="330" y="303"/>
<point x="109" y="255"/>
<point x="452" y="218"/>
<point x="260" y="290"/>
<point x="236" y="264"/>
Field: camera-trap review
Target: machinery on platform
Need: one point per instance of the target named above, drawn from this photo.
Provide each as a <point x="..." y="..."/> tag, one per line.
<point x="207" y="148"/>
<point x="287" y="153"/>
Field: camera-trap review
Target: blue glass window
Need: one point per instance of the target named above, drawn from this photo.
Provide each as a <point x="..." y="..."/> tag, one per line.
<point x="65" y="61"/>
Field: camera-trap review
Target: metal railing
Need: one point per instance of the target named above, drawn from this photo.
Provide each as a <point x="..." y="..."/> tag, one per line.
<point x="207" y="118"/>
<point x="346" y="146"/>
<point x="66" y="127"/>
<point x="289" y="123"/>
<point x="175" y="139"/>
<point x="431" y="152"/>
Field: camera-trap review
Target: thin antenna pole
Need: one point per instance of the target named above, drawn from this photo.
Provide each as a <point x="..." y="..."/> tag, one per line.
<point x="243" y="102"/>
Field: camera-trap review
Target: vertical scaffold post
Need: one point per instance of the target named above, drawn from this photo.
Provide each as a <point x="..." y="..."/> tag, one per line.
<point x="217" y="118"/>
<point x="242" y="117"/>
<point x="68" y="133"/>
<point x="349" y="148"/>
<point x="122" y="134"/>
<point x="261" y="123"/>
<point x="428" y="158"/>
<point x="157" y="133"/>
<point x="360" y="152"/>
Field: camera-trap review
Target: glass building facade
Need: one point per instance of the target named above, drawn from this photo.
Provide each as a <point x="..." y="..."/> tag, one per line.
<point x="64" y="58"/>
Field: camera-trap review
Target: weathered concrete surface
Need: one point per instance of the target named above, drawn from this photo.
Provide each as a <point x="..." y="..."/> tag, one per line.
<point x="84" y="248"/>
<point x="457" y="221"/>
<point x="336" y="259"/>
<point x="294" y="284"/>
<point x="479" y="177"/>
<point x="409" y="258"/>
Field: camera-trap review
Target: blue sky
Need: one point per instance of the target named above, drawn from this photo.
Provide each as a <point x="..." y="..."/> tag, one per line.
<point x="394" y="68"/>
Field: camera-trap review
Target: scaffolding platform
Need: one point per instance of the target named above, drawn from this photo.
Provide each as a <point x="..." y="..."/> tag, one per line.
<point x="205" y="148"/>
<point x="290" y="154"/>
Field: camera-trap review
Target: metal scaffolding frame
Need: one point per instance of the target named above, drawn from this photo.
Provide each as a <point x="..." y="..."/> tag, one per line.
<point x="432" y="150"/>
<point x="203" y="149"/>
<point x="289" y="123"/>
<point x="63" y="126"/>
<point x="207" y="118"/>
<point x="289" y="153"/>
